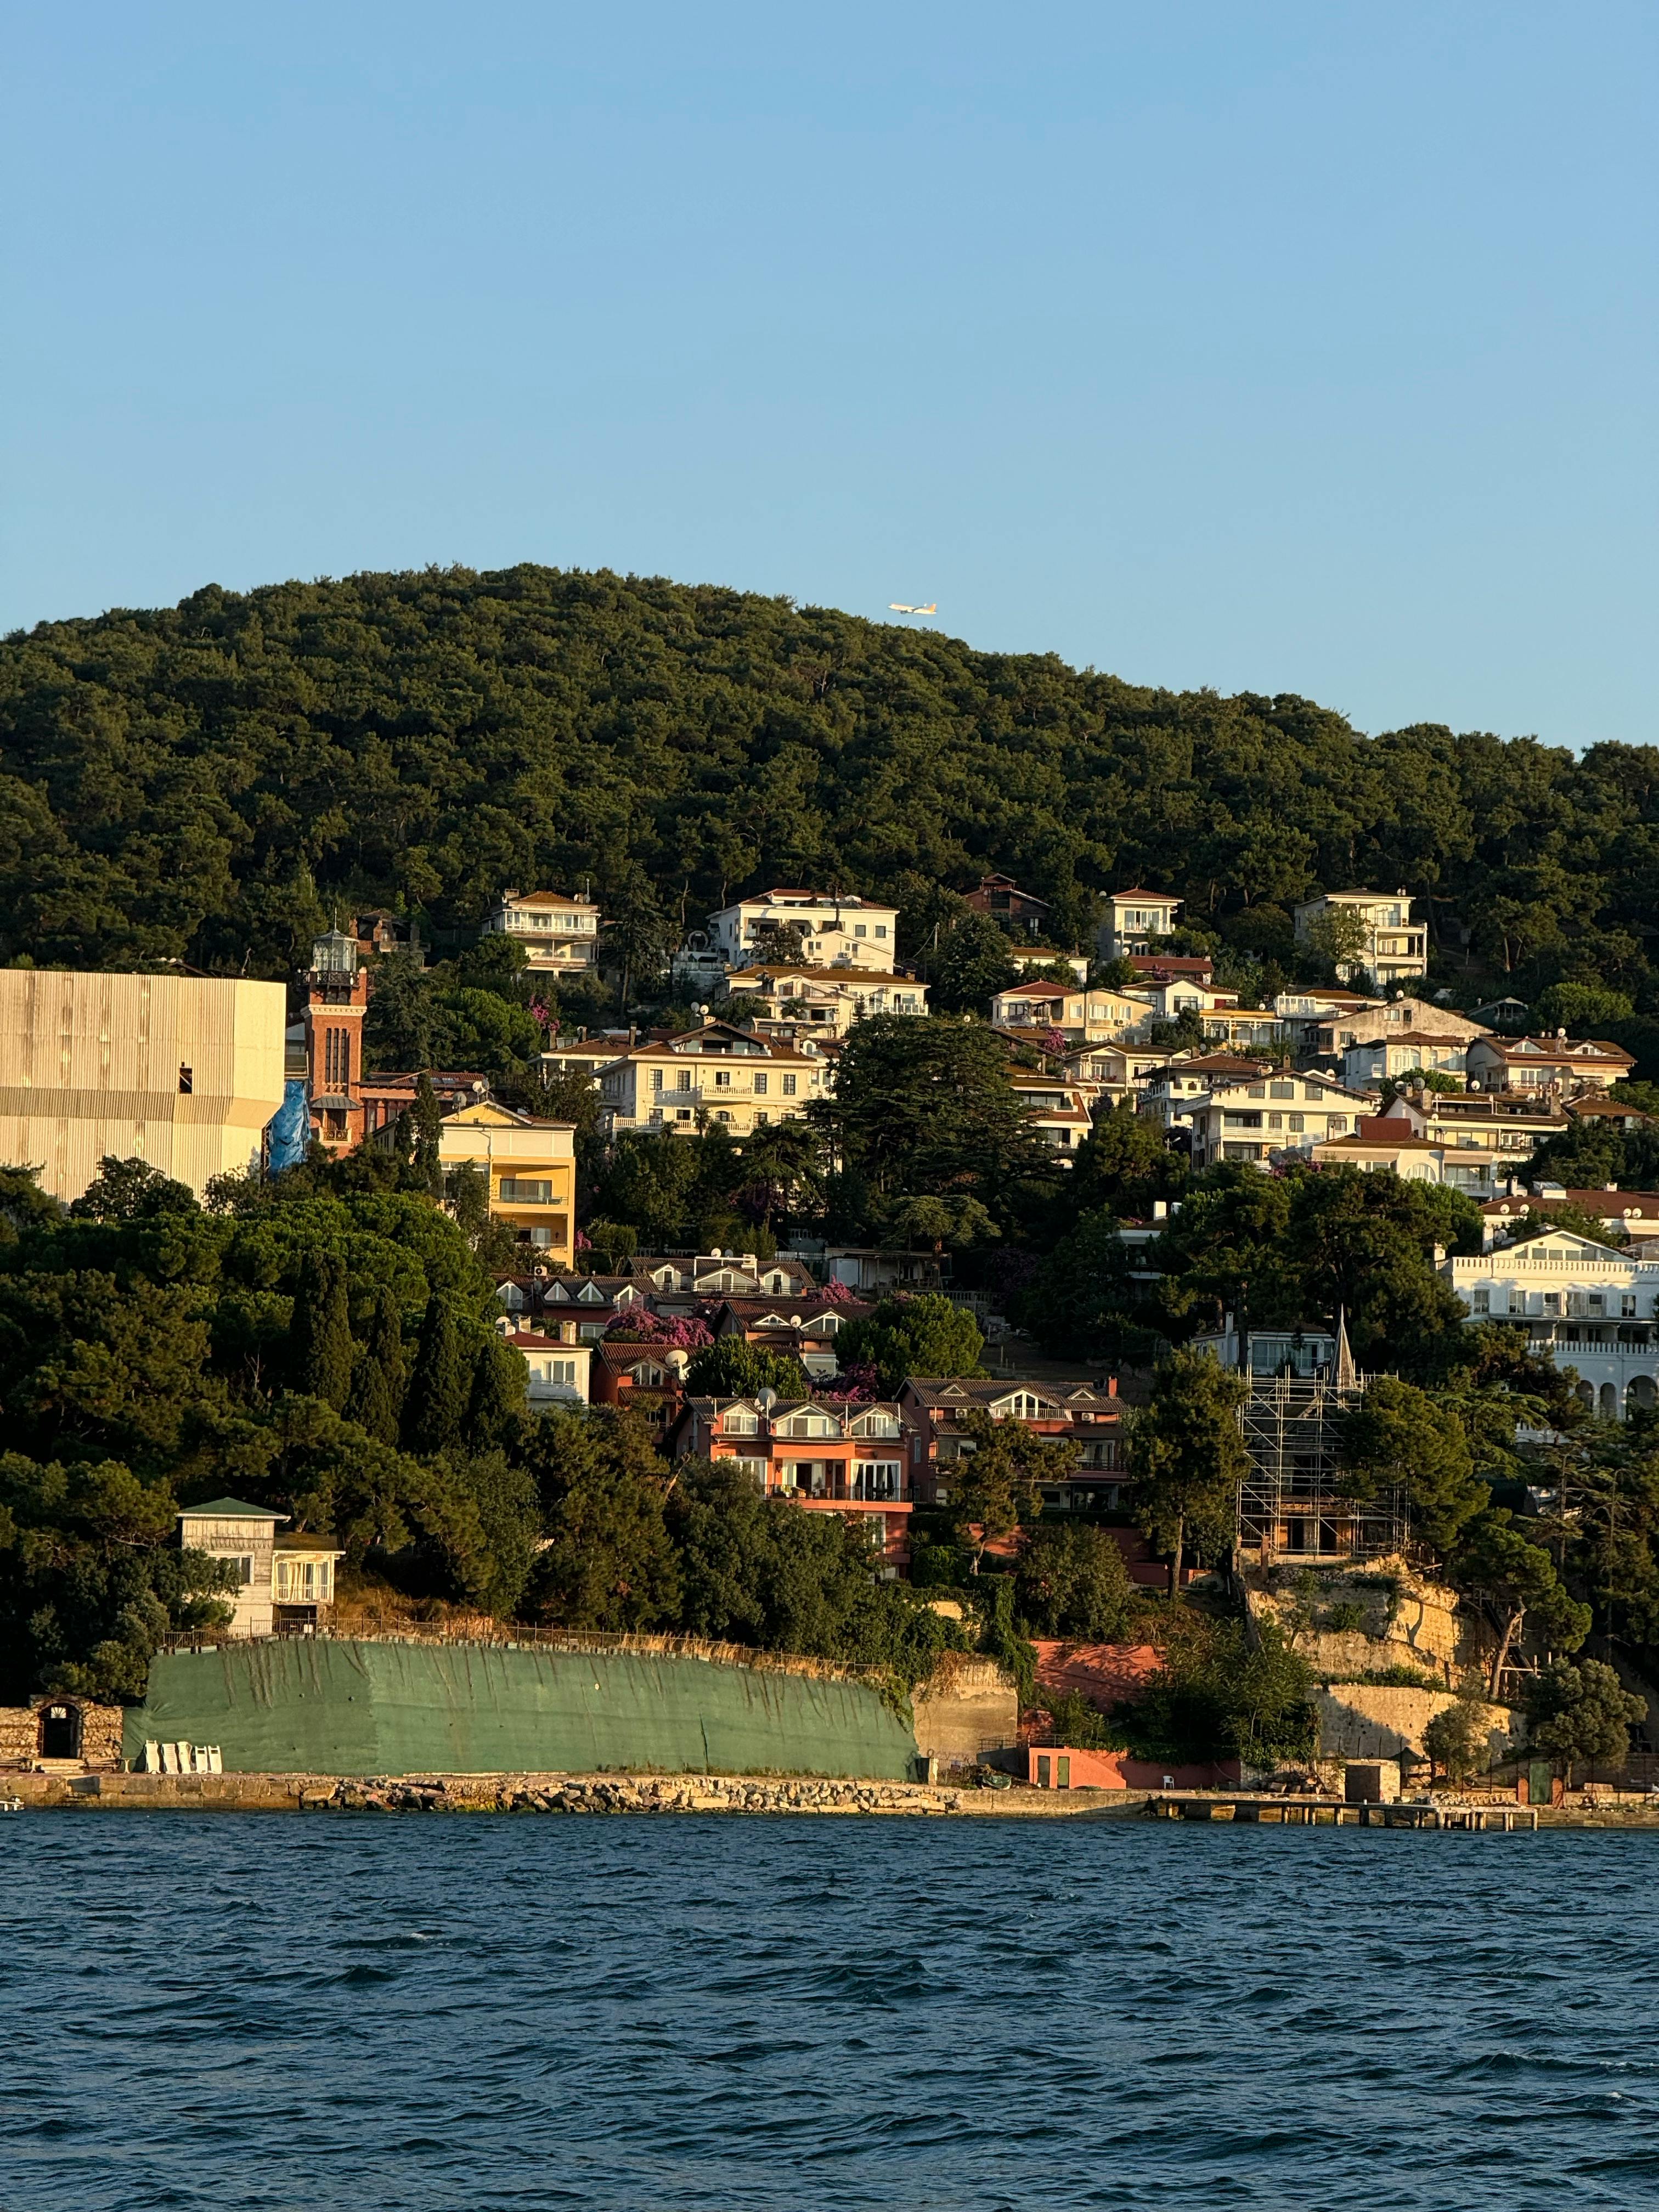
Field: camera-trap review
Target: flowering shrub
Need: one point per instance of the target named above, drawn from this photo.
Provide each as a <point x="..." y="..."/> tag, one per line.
<point x="677" y="1332"/>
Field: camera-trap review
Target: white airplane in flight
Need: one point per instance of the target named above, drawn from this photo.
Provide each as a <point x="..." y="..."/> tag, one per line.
<point x="898" y="607"/>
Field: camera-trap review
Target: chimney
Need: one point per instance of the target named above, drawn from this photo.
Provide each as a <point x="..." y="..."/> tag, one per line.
<point x="1111" y="1386"/>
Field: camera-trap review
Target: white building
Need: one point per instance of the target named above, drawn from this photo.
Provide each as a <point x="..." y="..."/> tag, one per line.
<point x="284" y="1585"/>
<point x="1545" y="1063"/>
<point x="181" y="1072"/>
<point x="830" y="931"/>
<point x="1136" y="917"/>
<point x="557" y="1368"/>
<point x="717" y="1076"/>
<point x="1082" y="1016"/>
<point x="1272" y="1114"/>
<point x="1394" y="946"/>
<point x="819" y="1002"/>
<point x="556" y="931"/>
<point x="1581" y="1305"/>
<point x="1390" y="1144"/>
<point x="1405" y="1053"/>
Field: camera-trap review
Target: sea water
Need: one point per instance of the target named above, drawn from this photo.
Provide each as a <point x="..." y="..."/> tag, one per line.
<point x="447" y="2011"/>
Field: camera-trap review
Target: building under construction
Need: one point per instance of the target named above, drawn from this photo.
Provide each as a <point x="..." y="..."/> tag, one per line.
<point x="1291" y="1505"/>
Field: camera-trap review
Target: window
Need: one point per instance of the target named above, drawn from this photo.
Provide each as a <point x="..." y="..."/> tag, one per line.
<point x="1482" y="1302"/>
<point x="788" y="1086"/>
<point x="760" y="1085"/>
<point x="1294" y="1121"/>
<point x="722" y="1079"/>
<point x="1339" y="1125"/>
<point x="1627" y="1305"/>
<point x="525" y="1190"/>
<point x="859" y="929"/>
<point x="656" y="1079"/>
<point x="881" y="929"/>
<point x="742" y="1424"/>
<point x="722" y="1116"/>
<point x="1257" y="1090"/>
<point x="683" y="1081"/>
<point x="186" y="1078"/>
<point x="1275" y="1120"/>
<point x="244" y="1569"/>
<point x="1281" y="1090"/>
<point x="562" y="1370"/>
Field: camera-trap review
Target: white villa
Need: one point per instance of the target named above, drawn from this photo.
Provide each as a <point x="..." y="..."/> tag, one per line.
<point x="555" y="930"/>
<point x="1394" y="948"/>
<point x="1584" y="1306"/>
<point x="832" y="931"/>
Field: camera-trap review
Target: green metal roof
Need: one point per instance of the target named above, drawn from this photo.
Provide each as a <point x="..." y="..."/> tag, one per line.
<point x="230" y="1509"/>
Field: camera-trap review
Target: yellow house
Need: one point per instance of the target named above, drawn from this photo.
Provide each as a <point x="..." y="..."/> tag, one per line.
<point x="182" y="1071"/>
<point x="530" y="1169"/>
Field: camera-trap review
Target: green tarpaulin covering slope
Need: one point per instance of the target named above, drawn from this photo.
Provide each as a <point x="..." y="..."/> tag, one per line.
<point x="364" y="1708"/>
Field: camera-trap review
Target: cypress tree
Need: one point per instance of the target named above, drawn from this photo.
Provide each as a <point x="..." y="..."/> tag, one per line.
<point x="435" y="1410"/>
<point x="498" y="1393"/>
<point x="381" y="1377"/>
<point x="428" y="1127"/>
<point x="320" y="1332"/>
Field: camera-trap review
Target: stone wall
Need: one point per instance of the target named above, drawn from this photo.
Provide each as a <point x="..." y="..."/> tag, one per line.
<point x="969" y="1705"/>
<point x="1366" y="1720"/>
<point x="100" y="1732"/>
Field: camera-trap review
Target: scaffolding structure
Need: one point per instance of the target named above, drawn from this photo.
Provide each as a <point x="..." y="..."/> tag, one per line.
<point x="1291" y="1505"/>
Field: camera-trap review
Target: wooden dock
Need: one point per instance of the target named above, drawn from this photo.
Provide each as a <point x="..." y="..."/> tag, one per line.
<point x="1329" y="1813"/>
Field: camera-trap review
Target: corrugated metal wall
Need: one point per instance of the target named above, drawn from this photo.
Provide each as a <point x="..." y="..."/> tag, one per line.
<point x="92" y="1064"/>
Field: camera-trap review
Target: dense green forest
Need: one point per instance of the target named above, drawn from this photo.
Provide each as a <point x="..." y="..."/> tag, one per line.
<point x="212" y="782"/>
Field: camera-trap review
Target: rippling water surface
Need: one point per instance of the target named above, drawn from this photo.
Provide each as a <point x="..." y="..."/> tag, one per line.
<point x="750" y="2013"/>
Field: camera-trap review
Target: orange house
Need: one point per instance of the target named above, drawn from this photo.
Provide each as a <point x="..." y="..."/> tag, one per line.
<point x="827" y="1457"/>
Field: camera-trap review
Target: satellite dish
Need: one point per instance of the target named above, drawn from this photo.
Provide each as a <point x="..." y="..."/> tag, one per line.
<point x="766" y="1400"/>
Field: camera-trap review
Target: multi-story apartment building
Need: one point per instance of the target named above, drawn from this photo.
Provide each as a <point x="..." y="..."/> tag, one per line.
<point x="558" y="932"/>
<point x="716" y="1077"/>
<point x="181" y="1072"/>
<point x="1001" y="897"/>
<point x="1133" y="919"/>
<point x="1082" y="1413"/>
<point x="1271" y="1114"/>
<point x="1081" y="1016"/>
<point x="829" y="1457"/>
<point x="830" y="931"/>
<point x="1404" y="1052"/>
<point x="1390" y="1144"/>
<point x="1170" y="1093"/>
<point x="1114" y="1072"/>
<point x="1583" y="1306"/>
<point x="529" y="1167"/>
<point x="1512" y="1123"/>
<point x="1056" y="1110"/>
<point x="1393" y="946"/>
<point x="796" y="1003"/>
<point x="1544" y="1063"/>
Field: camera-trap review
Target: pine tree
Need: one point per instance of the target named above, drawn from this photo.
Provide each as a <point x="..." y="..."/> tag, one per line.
<point x="381" y="1375"/>
<point x="320" y="1331"/>
<point x="435" y="1410"/>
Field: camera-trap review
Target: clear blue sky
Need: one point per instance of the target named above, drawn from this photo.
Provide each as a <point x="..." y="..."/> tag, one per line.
<point x="1294" y="347"/>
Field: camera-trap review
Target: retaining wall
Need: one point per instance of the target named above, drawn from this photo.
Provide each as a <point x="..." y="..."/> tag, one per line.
<point x="345" y="1707"/>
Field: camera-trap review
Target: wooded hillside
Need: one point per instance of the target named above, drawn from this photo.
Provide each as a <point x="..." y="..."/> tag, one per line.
<point x="209" y="781"/>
